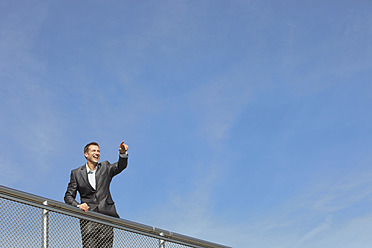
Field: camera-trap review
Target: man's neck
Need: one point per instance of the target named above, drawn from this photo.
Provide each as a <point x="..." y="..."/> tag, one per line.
<point x="91" y="166"/>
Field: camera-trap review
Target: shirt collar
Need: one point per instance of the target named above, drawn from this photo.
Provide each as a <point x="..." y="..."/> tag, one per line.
<point x="89" y="170"/>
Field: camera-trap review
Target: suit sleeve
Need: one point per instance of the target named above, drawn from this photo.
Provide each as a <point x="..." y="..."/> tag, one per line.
<point x="71" y="191"/>
<point x="119" y="166"/>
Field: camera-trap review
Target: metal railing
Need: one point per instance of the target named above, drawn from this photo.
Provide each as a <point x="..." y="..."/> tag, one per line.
<point x="28" y="220"/>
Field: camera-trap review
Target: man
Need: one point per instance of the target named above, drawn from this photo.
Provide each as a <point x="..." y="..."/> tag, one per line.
<point x="92" y="181"/>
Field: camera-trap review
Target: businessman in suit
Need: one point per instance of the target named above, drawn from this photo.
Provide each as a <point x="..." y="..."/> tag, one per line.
<point x="92" y="181"/>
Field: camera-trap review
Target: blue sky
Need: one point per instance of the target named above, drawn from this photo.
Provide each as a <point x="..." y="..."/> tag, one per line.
<point x="248" y="122"/>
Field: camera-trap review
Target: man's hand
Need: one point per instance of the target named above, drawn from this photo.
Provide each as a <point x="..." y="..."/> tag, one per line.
<point x="123" y="148"/>
<point x="84" y="207"/>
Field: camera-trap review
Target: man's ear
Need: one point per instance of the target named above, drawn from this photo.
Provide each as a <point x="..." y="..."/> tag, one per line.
<point x="85" y="155"/>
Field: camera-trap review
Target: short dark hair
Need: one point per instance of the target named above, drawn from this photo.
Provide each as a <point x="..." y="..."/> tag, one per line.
<point x="89" y="144"/>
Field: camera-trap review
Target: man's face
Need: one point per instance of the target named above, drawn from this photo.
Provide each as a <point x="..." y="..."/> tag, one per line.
<point x="93" y="154"/>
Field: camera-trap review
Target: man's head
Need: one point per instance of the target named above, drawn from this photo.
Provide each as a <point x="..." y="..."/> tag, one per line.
<point x="92" y="153"/>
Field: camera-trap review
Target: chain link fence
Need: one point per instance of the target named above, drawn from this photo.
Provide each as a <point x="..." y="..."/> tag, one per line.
<point x="32" y="221"/>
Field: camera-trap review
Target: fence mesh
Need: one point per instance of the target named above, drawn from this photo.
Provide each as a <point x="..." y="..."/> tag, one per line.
<point x="22" y="225"/>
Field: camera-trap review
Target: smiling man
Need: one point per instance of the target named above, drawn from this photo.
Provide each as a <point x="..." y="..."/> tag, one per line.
<point x="92" y="181"/>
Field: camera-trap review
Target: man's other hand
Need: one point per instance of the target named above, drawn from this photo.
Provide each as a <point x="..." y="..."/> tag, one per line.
<point x="84" y="207"/>
<point x="123" y="148"/>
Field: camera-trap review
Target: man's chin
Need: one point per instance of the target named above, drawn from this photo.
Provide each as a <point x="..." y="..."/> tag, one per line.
<point x="95" y="162"/>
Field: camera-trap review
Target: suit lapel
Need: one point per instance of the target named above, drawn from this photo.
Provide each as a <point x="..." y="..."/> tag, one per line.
<point x="84" y="174"/>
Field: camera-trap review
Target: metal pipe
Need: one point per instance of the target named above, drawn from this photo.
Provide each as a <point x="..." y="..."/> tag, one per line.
<point x="45" y="225"/>
<point x="161" y="241"/>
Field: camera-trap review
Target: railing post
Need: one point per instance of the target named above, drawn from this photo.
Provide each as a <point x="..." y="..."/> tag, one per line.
<point x="45" y="226"/>
<point x="161" y="241"/>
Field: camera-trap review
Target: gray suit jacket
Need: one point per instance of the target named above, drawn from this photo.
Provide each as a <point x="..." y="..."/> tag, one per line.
<point x="99" y="199"/>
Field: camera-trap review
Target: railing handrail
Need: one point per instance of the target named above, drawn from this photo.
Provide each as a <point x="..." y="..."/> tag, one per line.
<point x="63" y="208"/>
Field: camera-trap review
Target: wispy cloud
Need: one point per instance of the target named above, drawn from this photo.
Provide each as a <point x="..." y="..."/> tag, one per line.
<point x="219" y="102"/>
<point x="321" y="228"/>
<point x="306" y="220"/>
<point x="28" y="120"/>
<point x="9" y="173"/>
<point x="335" y="194"/>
